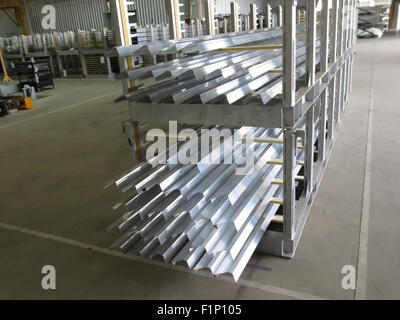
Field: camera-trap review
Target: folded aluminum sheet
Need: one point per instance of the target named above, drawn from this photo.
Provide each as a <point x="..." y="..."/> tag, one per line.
<point x="199" y="44"/>
<point x="222" y="79"/>
<point x="203" y="216"/>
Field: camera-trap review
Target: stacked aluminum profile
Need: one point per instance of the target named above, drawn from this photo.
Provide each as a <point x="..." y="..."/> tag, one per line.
<point x="11" y="45"/>
<point x="79" y="52"/>
<point x="93" y="45"/>
<point x="289" y="102"/>
<point x="205" y="215"/>
<point x="202" y="215"/>
<point x="152" y="33"/>
<point x="233" y="77"/>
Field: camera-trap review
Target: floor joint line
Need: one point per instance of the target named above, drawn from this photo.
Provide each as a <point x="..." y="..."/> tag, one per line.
<point x="361" y="284"/>
<point x="115" y="253"/>
<point x="55" y="111"/>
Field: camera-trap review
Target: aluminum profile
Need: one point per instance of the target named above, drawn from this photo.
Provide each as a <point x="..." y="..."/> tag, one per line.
<point x="201" y="44"/>
<point x="228" y="77"/>
<point x="202" y="215"/>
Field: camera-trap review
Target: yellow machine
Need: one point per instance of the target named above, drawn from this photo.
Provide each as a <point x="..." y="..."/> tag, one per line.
<point x="24" y="103"/>
<point x="10" y="103"/>
<point x="6" y="77"/>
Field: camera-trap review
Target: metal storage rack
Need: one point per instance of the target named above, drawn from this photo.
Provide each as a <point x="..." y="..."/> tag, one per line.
<point x="12" y="52"/>
<point x="323" y="101"/>
<point x="41" y="46"/>
<point x="310" y="114"/>
<point x="67" y="53"/>
<point x="35" y="73"/>
<point x="93" y="46"/>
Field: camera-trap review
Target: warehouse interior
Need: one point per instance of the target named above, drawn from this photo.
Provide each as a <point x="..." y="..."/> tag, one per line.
<point x="80" y="94"/>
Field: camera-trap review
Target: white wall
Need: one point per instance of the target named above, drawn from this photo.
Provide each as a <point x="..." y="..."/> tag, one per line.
<point x="7" y="27"/>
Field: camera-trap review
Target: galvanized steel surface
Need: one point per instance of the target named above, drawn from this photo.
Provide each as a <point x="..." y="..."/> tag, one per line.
<point x="88" y="14"/>
<point x="150" y="12"/>
<point x="71" y="15"/>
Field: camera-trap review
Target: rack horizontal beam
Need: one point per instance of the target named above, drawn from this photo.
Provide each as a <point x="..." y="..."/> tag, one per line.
<point x="209" y="114"/>
<point x="249" y="48"/>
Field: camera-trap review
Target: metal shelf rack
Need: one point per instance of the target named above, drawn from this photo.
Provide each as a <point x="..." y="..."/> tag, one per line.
<point x="309" y="116"/>
<point x="320" y="105"/>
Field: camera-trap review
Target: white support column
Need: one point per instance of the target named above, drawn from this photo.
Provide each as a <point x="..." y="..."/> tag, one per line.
<point x="279" y="14"/>
<point x="253" y="16"/>
<point x="210" y="21"/>
<point x="289" y="91"/>
<point x="346" y="47"/>
<point x="355" y="25"/>
<point x="225" y="24"/>
<point x="234" y="17"/>
<point x="340" y="25"/>
<point x="339" y="74"/>
<point x="350" y="22"/>
<point x="268" y="16"/>
<point x="309" y="160"/>
<point x="342" y="78"/>
<point x="289" y="173"/>
<point x="289" y="54"/>
<point x="324" y="68"/>
<point x="325" y="36"/>
<point x="354" y="14"/>
<point x="121" y="26"/>
<point x="331" y="109"/>
<point x="310" y="78"/>
<point x="332" y="58"/>
<point x="311" y="42"/>
<point x="322" y="126"/>
<point x="174" y="15"/>
<point x="120" y="20"/>
<point x="395" y="15"/>
<point x="345" y="24"/>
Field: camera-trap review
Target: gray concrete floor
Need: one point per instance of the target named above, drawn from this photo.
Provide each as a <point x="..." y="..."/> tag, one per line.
<point x="55" y="158"/>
